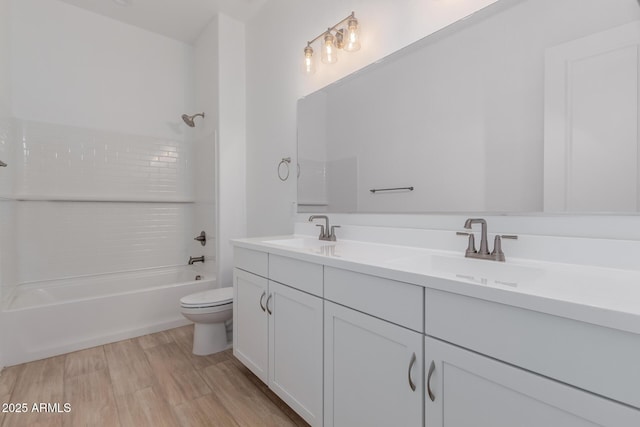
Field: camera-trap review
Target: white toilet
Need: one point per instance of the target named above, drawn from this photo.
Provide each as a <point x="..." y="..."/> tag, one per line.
<point x="209" y="310"/>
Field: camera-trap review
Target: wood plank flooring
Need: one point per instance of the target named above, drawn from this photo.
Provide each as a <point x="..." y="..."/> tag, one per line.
<point x="152" y="380"/>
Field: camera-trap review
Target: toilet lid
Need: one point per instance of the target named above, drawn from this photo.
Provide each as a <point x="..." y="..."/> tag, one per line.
<point x="208" y="298"/>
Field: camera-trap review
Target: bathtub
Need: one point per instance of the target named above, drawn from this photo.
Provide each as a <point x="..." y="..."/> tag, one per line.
<point x="44" y="319"/>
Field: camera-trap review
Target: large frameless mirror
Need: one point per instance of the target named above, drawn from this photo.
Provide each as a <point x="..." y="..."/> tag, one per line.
<point x="526" y="106"/>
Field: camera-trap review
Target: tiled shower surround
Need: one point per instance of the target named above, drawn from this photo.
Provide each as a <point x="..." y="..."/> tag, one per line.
<point x="82" y="202"/>
<point x="67" y="239"/>
<point x="63" y="162"/>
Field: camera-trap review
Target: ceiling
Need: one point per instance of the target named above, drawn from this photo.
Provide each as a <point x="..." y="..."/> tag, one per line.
<point x="179" y="19"/>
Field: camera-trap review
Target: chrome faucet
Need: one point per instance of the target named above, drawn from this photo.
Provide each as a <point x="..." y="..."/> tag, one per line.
<point x="326" y="232"/>
<point x="483" y="253"/>
<point x="194" y="259"/>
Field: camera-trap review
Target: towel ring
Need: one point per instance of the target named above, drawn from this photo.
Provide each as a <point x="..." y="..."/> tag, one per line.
<point x="283" y="173"/>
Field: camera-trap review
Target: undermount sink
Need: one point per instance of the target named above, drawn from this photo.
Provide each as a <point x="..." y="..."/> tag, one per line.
<point x="300" y="243"/>
<point x="478" y="271"/>
<point x="482" y="271"/>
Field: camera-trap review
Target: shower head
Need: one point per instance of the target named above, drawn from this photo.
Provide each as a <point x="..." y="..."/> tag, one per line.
<point x="189" y="119"/>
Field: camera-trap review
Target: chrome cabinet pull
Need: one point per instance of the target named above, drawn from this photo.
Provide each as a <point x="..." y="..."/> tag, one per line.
<point x="432" y="368"/>
<point x="413" y="362"/>
<point x="268" y="299"/>
<point x="261" y="298"/>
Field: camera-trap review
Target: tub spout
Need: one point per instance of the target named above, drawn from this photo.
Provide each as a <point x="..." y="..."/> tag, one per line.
<point x="194" y="259"/>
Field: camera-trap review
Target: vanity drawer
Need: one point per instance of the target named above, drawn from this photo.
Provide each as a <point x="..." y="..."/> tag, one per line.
<point x="255" y="262"/>
<point x="302" y="275"/>
<point x="397" y="302"/>
<point x="594" y="358"/>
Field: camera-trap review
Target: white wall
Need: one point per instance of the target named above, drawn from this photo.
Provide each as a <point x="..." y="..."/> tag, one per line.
<point x="231" y="142"/>
<point x="276" y="37"/>
<point x="77" y="68"/>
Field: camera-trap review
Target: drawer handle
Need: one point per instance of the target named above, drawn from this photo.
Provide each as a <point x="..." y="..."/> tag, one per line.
<point x="413" y="362"/>
<point x="261" y="298"/>
<point x="432" y="368"/>
<point x="269" y="311"/>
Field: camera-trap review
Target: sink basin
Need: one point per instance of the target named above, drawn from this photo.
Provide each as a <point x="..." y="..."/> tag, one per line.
<point x="486" y="272"/>
<point x="480" y="271"/>
<point x="300" y="243"/>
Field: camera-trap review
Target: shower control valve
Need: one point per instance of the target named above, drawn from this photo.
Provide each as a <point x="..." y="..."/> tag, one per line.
<point x="202" y="238"/>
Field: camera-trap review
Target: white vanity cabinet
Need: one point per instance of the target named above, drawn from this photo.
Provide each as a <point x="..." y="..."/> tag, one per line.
<point x="524" y="368"/>
<point x="250" y="322"/>
<point x="373" y="367"/>
<point x="278" y="328"/>
<point x="466" y="389"/>
<point x="295" y="350"/>
<point x="344" y="348"/>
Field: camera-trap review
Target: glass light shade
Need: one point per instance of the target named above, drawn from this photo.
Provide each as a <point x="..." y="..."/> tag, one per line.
<point x="352" y="42"/>
<point x="339" y="39"/>
<point x="329" y="50"/>
<point x="309" y="63"/>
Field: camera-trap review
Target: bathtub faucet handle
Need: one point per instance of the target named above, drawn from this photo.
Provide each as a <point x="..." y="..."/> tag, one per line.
<point x="194" y="259"/>
<point x="202" y="238"/>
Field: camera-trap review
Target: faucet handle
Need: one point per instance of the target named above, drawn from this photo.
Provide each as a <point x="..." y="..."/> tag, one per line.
<point x="471" y="247"/>
<point x="332" y="234"/>
<point x="497" y="252"/>
<point x="497" y="245"/>
<point x="322" y="234"/>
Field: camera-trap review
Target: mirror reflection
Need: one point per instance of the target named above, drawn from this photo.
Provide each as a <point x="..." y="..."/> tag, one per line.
<point x="527" y="106"/>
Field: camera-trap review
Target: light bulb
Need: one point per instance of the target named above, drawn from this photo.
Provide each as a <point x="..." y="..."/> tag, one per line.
<point x="329" y="54"/>
<point x="308" y="65"/>
<point x="353" y="36"/>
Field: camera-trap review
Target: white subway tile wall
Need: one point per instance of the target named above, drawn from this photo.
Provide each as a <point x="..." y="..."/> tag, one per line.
<point x="8" y="254"/>
<point x="7" y="156"/>
<point x="83" y="202"/>
<point x="64" y="162"/>
<point x="8" y="263"/>
<point x="67" y="239"/>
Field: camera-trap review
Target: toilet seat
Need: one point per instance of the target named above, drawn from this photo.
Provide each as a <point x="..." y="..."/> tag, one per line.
<point x="208" y="299"/>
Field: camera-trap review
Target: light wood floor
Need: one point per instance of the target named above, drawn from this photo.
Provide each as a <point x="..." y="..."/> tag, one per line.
<point x="152" y="380"/>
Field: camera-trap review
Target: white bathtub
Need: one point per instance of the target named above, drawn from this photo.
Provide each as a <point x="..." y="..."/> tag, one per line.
<point x="45" y="319"/>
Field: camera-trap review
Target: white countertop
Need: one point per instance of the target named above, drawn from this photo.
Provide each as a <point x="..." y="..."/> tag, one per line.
<point x="603" y="296"/>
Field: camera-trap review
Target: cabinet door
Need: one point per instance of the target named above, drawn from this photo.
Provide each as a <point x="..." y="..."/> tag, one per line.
<point x="373" y="371"/>
<point x="295" y="350"/>
<point x="250" y="322"/>
<point x="465" y="389"/>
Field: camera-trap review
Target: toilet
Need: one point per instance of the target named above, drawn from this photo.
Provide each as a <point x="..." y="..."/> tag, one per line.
<point x="208" y="310"/>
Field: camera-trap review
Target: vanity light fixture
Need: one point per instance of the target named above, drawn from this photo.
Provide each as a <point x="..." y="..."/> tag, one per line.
<point x="347" y="38"/>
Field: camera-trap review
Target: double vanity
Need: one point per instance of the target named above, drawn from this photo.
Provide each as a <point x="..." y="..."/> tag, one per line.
<point x="352" y="333"/>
